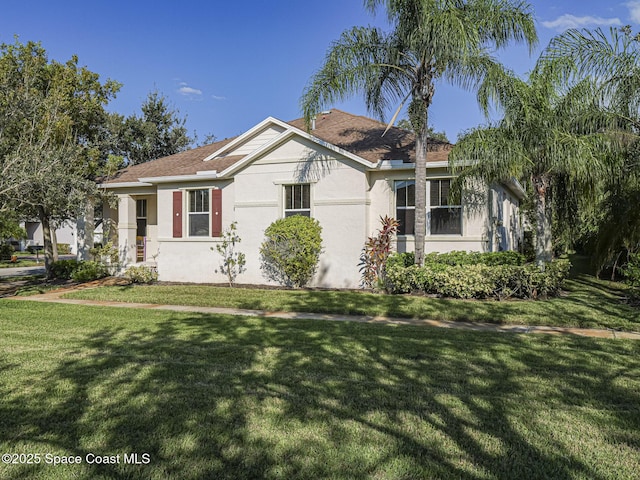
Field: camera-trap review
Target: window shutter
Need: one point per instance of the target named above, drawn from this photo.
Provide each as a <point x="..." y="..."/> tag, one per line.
<point x="177" y="214"/>
<point x="216" y="212"/>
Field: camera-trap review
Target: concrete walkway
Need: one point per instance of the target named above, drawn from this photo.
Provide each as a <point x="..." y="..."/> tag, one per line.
<point x="56" y="297"/>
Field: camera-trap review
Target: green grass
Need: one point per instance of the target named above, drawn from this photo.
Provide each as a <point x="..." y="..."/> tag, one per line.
<point x="588" y="302"/>
<point x="20" y="263"/>
<point x="236" y="397"/>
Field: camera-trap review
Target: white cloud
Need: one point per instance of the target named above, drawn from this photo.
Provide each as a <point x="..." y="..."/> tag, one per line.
<point x="188" y="91"/>
<point x="634" y="10"/>
<point x="566" y="21"/>
<point x="217" y="97"/>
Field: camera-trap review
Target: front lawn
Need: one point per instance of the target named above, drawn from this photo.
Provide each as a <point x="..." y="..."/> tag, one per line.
<point x="235" y="397"/>
<point x="587" y="302"/>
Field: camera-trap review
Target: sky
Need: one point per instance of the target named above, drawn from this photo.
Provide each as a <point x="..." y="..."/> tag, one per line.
<point x="227" y="65"/>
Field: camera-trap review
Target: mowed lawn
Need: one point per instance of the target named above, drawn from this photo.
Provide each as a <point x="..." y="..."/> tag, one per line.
<point x="236" y="397"/>
<point x="586" y="302"/>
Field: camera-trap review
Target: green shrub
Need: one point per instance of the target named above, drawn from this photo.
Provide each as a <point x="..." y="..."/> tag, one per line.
<point x="6" y="250"/>
<point x="631" y="272"/>
<point x="88" y="271"/>
<point x="496" y="276"/>
<point x="63" y="269"/>
<point x="476" y="258"/>
<point x="141" y="274"/>
<point x="291" y="250"/>
<point x="63" y="248"/>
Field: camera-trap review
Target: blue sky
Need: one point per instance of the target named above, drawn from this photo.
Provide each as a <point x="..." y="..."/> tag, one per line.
<point x="228" y="65"/>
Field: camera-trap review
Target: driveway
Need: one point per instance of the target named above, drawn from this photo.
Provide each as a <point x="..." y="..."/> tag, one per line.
<point x="25" y="271"/>
<point x="21" y="271"/>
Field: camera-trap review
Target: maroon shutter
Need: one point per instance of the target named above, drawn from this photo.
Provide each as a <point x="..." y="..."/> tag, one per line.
<point x="177" y="214"/>
<point x="216" y="212"/>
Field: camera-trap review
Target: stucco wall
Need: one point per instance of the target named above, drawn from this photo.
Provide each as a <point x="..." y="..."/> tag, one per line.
<point x="474" y="216"/>
<point x="255" y="198"/>
<point x="346" y="199"/>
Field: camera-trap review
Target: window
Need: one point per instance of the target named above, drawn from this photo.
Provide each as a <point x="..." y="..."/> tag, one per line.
<point x="141" y="217"/>
<point x="297" y="200"/>
<point x="199" y="213"/>
<point x="406" y="206"/>
<point x="445" y="219"/>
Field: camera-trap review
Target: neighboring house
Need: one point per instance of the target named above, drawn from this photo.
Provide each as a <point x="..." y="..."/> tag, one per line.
<point x="343" y="173"/>
<point x="66" y="233"/>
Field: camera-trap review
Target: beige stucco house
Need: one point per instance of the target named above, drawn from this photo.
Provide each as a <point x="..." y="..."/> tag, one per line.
<point x="342" y="172"/>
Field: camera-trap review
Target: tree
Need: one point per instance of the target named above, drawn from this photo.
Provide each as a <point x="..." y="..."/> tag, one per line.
<point x="549" y="138"/>
<point x="159" y="132"/>
<point x="50" y="115"/>
<point x="430" y="40"/>
<point x="612" y="60"/>
<point x="405" y="123"/>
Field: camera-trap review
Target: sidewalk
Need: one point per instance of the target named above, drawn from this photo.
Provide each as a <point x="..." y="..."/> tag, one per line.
<point x="56" y="297"/>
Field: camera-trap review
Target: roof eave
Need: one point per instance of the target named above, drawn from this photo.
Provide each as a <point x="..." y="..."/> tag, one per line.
<point x="125" y="184"/>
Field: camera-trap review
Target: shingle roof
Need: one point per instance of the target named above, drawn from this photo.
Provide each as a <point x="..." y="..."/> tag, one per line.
<point x="359" y="135"/>
<point x="363" y="137"/>
<point x="184" y="163"/>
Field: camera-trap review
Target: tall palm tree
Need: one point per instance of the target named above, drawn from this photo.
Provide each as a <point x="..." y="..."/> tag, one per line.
<point x="430" y="40"/>
<point x="550" y="138"/>
<point x="612" y="60"/>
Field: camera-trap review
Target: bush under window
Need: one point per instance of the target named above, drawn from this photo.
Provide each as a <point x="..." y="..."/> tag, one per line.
<point x="291" y="250"/>
<point x="475" y="275"/>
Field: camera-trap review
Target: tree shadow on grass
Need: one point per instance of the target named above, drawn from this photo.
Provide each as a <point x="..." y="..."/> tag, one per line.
<point x="233" y="397"/>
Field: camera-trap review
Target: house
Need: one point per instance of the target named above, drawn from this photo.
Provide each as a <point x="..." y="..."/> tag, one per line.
<point x="66" y="234"/>
<point x="342" y="172"/>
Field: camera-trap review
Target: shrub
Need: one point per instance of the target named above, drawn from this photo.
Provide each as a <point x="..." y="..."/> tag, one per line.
<point x="632" y="273"/>
<point x="449" y="275"/>
<point x="141" y="274"/>
<point x="291" y="250"/>
<point x="6" y="250"/>
<point x="476" y="258"/>
<point x="375" y="253"/>
<point x="63" y="248"/>
<point x="63" y="269"/>
<point x="88" y="271"/>
<point x="233" y="262"/>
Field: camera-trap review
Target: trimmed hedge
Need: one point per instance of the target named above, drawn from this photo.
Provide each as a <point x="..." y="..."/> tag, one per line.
<point x="496" y="275"/>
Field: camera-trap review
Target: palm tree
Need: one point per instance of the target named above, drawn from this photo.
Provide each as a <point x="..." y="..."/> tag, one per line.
<point x="550" y="138"/>
<point x="430" y="40"/>
<point x="613" y="60"/>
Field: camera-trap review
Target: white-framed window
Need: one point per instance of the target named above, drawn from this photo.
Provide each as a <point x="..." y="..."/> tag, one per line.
<point x="199" y="211"/>
<point x="406" y="206"/>
<point x="297" y="200"/>
<point x="445" y="219"/>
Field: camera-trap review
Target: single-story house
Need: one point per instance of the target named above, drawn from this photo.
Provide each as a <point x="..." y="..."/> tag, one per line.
<point x="342" y="172"/>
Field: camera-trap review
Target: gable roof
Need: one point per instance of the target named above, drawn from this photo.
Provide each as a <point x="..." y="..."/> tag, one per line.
<point x="362" y="136"/>
<point x="358" y="137"/>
